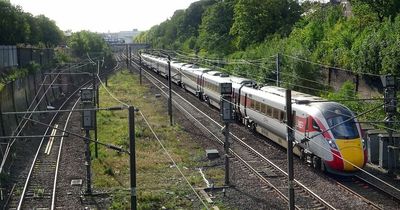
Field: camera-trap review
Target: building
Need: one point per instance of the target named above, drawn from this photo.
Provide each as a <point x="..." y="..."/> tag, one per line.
<point x="121" y="37"/>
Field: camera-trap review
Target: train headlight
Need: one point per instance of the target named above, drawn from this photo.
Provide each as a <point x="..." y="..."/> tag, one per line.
<point x="364" y="144"/>
<point x="332" y="144"/>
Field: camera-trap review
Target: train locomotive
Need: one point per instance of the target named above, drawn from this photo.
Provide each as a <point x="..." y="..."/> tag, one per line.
<point x="327" y="134"/>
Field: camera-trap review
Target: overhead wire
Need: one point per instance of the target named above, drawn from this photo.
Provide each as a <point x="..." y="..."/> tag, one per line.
<point x="161" y="144"/>
<point x="172" y="160"/>
<point x="327" y="66"/>
<point x="244" y="62"/>
<point x="347" y="161"/>
<point x="347" y="100"/>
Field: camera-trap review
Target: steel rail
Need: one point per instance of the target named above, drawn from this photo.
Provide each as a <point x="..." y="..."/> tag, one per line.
<point x="41" y="143"/>
<point x="326" y="204"/>
<point x="40" y="146"/>
<point x="53" y="197"/>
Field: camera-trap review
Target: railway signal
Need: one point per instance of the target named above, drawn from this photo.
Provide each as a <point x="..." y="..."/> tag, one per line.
<point x="390" y="107"/>
<point x="87" y="102"/>
<point x="227" y="117"/>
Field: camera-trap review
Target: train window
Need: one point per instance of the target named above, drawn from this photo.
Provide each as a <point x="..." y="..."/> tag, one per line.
<point x="263" y="108"/>
<point x="282" y="116"/>
<point x="269" y="111"/>
<point x="315" y="126"/>
<point x="275" y="113"/>
<point x="252" y="103"/>
<point x="256" y="105"/>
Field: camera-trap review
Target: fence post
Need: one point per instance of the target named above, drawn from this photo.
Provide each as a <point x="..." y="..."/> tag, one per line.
<point x="329" y="76"/>
<point x="3" y="131"/>
<point x="13" y="101"/>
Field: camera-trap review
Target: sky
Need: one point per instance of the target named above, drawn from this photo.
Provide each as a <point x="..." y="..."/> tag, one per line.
<point x="102" y="15"/>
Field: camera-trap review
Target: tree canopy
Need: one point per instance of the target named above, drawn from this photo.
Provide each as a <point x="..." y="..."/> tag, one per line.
<point x="84" y="42"/>
<point x="19" y="27"/>
<point x="366" y="41"/>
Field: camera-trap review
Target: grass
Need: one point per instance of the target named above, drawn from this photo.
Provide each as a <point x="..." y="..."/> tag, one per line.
<point x="159" y="184"/>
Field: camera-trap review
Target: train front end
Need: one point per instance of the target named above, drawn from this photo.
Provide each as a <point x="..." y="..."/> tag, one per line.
<point x="343" y="134"/>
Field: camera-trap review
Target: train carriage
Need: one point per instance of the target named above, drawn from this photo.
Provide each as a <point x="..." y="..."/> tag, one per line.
<point x="163" y="67"/>
<point x="326" y="133"/>
<point x="191" y="79"/>
<point x="328" y="130"/>
<point x="176" y="72"/>
<point x="210" y="88"/>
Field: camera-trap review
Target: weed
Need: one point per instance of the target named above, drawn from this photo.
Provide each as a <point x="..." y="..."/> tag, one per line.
<point x="159" y="184"/>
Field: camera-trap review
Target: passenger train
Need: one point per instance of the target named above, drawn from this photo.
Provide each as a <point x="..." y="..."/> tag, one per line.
<point x="326" y="133"/>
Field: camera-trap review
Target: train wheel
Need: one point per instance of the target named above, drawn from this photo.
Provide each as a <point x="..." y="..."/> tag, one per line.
<point x="253" y="127"/>
<point x="316" y="162"/>
<point x="239" y="118"/>
<point x="302" y="155"/>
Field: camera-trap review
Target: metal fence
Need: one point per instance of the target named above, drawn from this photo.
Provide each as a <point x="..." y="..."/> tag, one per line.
<point x="12" y="56"/>
<point x="8" y="56"/>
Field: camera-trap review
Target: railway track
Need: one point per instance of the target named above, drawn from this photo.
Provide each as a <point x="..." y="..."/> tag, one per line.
<point x="40" y="184"/>
<point x="39" y="188"/>
<point x="273" y="177"/>
<point x="379" y="193"/>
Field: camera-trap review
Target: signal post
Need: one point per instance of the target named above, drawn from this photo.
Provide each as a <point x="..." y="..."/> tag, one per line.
<point x="88" y="123"/>
<point x="390" y="107"/>
<point x="227" y="117"/>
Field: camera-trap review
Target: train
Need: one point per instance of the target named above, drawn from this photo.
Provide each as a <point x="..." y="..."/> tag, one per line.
<point x="327" y="134"/>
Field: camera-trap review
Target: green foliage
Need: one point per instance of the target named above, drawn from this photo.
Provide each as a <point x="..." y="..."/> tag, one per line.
<point x="382" y="8"/>
<point x="61" y="56"/>
<point x="306" y="34"/>
<point x="214" y="30"/>
<point x="254" y="20"/>
<point x="376" y="49"/>
<point x="86" y="42"/>
<point x="20" y="27"/>
<point x="13" y="75"/>
<point x="347" y="92"/>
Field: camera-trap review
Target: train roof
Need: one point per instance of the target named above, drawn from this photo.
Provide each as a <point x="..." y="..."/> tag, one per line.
<point x="214" y="73"/>
<point x="216" y="79"/>
<point x="204" y="70"/>
<point x="242" y="80"/>
<point x="217" y="73"/>
<point x="297" y="96"/>
<point x="177" y="64"/>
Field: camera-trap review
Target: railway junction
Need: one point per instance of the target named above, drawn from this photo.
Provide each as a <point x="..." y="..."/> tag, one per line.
<point x="58" y="174"/>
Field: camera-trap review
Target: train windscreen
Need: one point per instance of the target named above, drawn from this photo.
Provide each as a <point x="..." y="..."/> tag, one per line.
<point x="340" y="121"/>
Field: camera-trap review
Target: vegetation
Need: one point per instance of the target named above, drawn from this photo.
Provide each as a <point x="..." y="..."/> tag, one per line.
<point x="159" y="184"/>
<point x="86" y="43"/>
<point x="366" y="42"/>
<point x="15" y="74"/>
<point x="19" y="27"/>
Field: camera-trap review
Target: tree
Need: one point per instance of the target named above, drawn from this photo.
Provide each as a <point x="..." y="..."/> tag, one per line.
<point x="18" y="27"/>
<point x="254" y="20"/>
<point x="214" y="30"/>
<point x="84" y="42"/>
<point x="383" y="8"/>
<point x="50" y="33"/>
<point x="14" y="28"/>
<point x="191" y="19"/>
